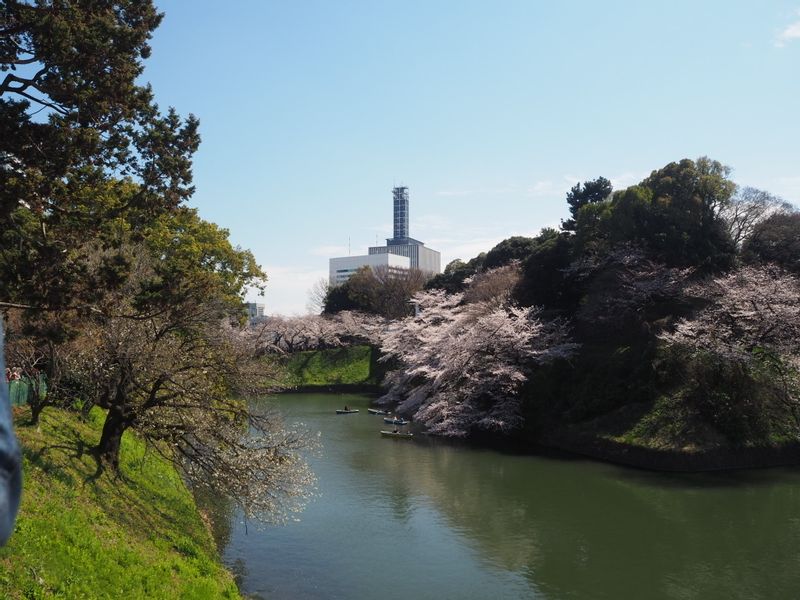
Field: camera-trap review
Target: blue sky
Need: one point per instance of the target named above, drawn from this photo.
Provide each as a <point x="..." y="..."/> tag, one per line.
<point x="311" y="111"/>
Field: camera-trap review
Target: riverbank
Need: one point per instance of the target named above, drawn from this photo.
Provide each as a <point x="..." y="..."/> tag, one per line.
<point x="138" y="535"/>
<point x="663" y="436"/>
<point x="352" y="369"/>
<point x="675" y="460"/>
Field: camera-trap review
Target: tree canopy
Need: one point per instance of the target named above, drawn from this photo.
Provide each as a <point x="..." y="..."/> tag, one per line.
<point x="80" y="140"/>
<point x="649" y="282"/>
<point x="122" y="296"/>
<point x="380" y="291"/>
<point x="776" y="239"/>
<point x="579" y="196"/>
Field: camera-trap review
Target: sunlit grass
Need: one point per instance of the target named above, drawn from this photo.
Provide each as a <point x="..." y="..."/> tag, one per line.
<point x="337" y="366"/>
<point x="138" y="535"/>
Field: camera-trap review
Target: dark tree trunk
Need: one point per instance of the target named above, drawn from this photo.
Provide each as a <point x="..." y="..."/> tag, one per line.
<point x="108" y="448"/>
<point x="36" y="410"/>
<point x="86" y="409"/>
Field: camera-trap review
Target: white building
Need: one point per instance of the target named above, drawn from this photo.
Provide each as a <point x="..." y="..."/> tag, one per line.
<point x="343" y="267"/>
<point x="400" y="251"/>
<point x="423" y="258"/>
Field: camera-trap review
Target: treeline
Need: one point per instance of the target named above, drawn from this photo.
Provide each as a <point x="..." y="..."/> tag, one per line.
<point x="110" y="286"/>
<point x="666" y="313"/>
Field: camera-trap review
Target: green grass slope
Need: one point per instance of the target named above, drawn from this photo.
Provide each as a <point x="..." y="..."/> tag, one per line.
<point x="138" y="535"/>
<point x="353" y="365"/>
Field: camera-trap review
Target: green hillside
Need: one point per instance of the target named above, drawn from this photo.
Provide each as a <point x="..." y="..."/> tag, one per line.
<point x="138" y="535"/>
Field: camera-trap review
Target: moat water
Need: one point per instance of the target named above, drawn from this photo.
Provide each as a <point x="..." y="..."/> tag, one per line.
<point x="426" y="518"/>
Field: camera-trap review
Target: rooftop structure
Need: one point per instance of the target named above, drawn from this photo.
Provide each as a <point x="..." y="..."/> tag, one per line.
<point x="400" y="246"/>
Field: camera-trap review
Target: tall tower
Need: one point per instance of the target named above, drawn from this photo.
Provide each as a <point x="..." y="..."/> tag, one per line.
<point x="400" y="195"/>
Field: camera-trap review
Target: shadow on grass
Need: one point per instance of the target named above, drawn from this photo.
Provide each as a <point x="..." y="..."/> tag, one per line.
<point x="144" y="496"/>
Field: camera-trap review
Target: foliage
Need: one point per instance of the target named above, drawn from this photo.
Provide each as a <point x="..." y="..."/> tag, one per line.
<point x="348" y="365"/>
<point x="279" y="335"/>
<point x="337" y="299"/>
<point x="380" y="291"/>
<point x="666" y="325"/>
<point x="675" y="212"/>
<point x="775" y="240"/>
<point x="455" y="274"/>
<point x="494" y="286"/>
<point x="79" y="61"/>
<point x="582" y="195"/>
<point x="750" y="308"/>
<point x="77" y="536"/>
<point x="624" y="293"/>
<point x="193" y="254"/>
<point x="544" y="282"/>
<point x="318" y="295"/>
<point x="86" y="152"/>
<point x="742" y="350"/>
<point x="510" y="249"/>
<point x="748" y="208"/>
<point x="462" y="364"/>
<point x="170" y="373"/>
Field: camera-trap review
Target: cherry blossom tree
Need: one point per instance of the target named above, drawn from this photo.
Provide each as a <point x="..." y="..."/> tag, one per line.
<point x="181" y="389"/>
<point x="752" y="307"/>
<point x="461" y="364"/>
<point x="744" y="345"/>
<point x="747" y="208"/>
<point x="285" y="335"/>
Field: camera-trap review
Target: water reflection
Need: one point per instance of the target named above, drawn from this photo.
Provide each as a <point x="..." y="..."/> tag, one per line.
<point x="472" y="523"/>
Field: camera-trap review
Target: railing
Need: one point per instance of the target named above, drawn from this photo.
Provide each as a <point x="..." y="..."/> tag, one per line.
<point x="20" y="389"/>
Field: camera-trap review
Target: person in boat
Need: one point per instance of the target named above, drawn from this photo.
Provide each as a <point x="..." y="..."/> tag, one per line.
<point x="346" y="407"/>
<point x="395" y="430"/>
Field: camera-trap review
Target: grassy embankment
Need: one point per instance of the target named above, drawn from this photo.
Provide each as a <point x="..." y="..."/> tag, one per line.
<point x="138" y="535"/>
<point x="641" y="407"/>
<point x="353" y="366"/>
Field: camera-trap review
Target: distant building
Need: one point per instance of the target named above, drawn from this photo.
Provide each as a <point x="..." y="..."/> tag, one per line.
<point x="255" y="310"/>
<point x="342" y="268"/>
<point x="422" y="258"/>
<point x="399" y="246"/>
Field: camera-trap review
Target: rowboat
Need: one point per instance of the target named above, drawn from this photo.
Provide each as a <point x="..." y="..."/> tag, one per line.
<point x="375" y="411"/>
<point x="398" y="434"/>
<point x="349" y="411"/>
<point x="395" y="421"/>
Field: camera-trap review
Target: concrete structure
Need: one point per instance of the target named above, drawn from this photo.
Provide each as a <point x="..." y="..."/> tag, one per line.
<point x="342" y="268"/>
<point x="400" y="201"/>
<point x="400" y="251"/>
<point x="422" y="258"/>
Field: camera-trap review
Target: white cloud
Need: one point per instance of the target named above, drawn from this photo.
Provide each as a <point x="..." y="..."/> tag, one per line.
<point x="559" y="189"/>
<point x="620" y="182"/>
<point x="550" y="189"/>
<point x="791" y="32"/>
